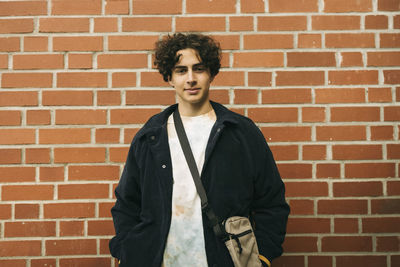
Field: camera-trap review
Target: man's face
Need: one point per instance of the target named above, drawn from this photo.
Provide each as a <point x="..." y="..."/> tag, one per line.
<point x="191" y="79"/>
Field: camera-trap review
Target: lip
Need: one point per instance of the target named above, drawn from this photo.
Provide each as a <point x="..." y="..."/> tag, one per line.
<point x="192" y="90"/>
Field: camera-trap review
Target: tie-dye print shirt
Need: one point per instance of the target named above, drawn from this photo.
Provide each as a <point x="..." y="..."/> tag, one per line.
<point x="185" y="243"/>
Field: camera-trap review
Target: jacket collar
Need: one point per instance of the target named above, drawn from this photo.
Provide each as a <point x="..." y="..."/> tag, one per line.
<point x="153" y="125"/>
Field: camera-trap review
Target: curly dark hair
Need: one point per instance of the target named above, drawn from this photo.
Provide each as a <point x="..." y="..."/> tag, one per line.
<point x="166" y="58"/>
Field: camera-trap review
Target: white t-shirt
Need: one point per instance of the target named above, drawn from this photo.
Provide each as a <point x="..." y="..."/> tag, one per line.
<point x="185" y="244"/>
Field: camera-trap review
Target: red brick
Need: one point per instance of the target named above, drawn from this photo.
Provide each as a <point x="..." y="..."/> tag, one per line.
<point x="43" y="263"/>
<point x="392" y="113"/>
<point x="387" y="243"/>
<point x="379" y="95"/>
<point x="356" y="152"/>
<point x="67" y="98"/>
<point x="123" y="79"/>
<point x="287" y="134"/>
<point x="340" y="95"/>
<point x="72" y="228"/>
<point x="10" y="118"/>
<point x="107" y="135"/>
<point x="341" y="133"/>
<point x="341" y="6"/>
<point x="388" y="5"/>
<point x="393" y="151"/>
<point x="64" y="25"/>
<point x="83" y="191"/>
<point x="242" y="23"/>
<point x="82" y="79"/>
<point x="83" y="262"/>
<point x="376" y="22"/>
<point x="259" y="78"/>
<point x="36" y="43"/>
<point x="285" y="260"/>
<point x="131" y="43"/>
<point x="355" y="114"/>
<point x="227" y="42"/>
<point x="27" y="192"/>
<point x="382" y="132"/>
<point x="346" y="225"/>
<point x="282" y="23"/>
<point x="385" y="206"/>
<point x="308" y="225"/>
<point x="351" y="59"/>
<point x="3" y="61"/>
<point x="328" y="170"/>
<point x="314" y="152"/>
<point x="336" y="22"/>
<point x="391" y="76"/>
<point x="246" y="96"/>
<point x="290" y="152"/>
<point x="268" y="41"/>
<point x="80" y="61"/>
<point x="47" y="174"/>
<point x="283" y="6"/>
<point x="295" y="170"/>
<point x="16" y="26"/>
<point x="23" y="8"/>
<point x="369" y="170"/>
<point x="141" y="7"/>
<point x="311" y="59"/>
<point x="283" y="96"/>
<point x="17" y="174"/>
<point x="365" y="260"/>
<point x="5" y="211"/>
<point x="252" y="6"/>
<point x="100" y="228"/>
<point x="309" y="40"/>
<point x="118" y="61"/>
<point x="105" y="210"/>
<point x="117" y="7"/>
<point x="316" y="261"/>
<point x="210" y="7"/>
<point x="350" y="40"/>
<point x="389" y="40"/>
<point x="221" y="96"/>
<point x="17" y="136"/>
<point x="258" y="59"/>
<point x="38" y="117"/>
<point x="273" y="114"/>
<point x="381" y="225"/>
<point x="154" y="79"/>
<point x="71" y="247"/>
<point x="348" y="206"/>
<point x="79" y="155"/>
<point x="37" y="155"/>
<point x="104" y="24"/>
<point x="396" y="22"/>
<point x="108" y="98"/>
<point x="85" y="7"/>
<point x="132" y="116"/>
<point x="348" y="77"/>
<point x="26" y="211"/>
<point x="9" y="44"/>
<point x="93" y="173"/>
<point x="313" y="114"/>
<point x="118" y="154"/>
<point x="150" y="97"/>
<point x="64" y="136"/>
<point x="397" y="94"/>
<point x="346" y="243"/>
<point x="300" y="244"/>
<point x="10" y="156"/>
<point x="148" y="24"/>
<point x="357" y="189"/>
<point x="72" y="116"/>
<point x="27" y="80"/>
<point x="383" y="58"/>
<point x="29" y="229"/>
<point x="301" y="207"/>
<point x="306" y="189"/>
<point x="69" y="210"/>
<point x="21" y="248"/>
<point x="200" y="24"/>
<point x="290" y="78"/>
<point x="78" y="43"/>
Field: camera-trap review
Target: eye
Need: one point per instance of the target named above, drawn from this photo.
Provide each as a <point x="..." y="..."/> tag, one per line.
<point x="179" y="70"/>
<point x="199" y="68"/>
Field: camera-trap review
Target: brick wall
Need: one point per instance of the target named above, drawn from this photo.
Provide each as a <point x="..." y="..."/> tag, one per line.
<point x="320" y="77"/>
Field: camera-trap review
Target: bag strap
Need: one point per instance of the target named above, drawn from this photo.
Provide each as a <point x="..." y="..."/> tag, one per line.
<point x="187" y="151"/>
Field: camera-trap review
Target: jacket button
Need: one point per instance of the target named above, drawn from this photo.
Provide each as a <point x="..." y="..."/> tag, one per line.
<point x="219" y="129"/>
<point x="164" y="166"/>
<point x="152" y="137"/>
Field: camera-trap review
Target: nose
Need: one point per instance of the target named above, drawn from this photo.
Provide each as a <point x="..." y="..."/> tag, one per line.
<point x="191" y="78"/>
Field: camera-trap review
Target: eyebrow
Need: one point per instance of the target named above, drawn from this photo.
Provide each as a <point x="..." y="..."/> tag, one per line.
<point x="183" y="66"/>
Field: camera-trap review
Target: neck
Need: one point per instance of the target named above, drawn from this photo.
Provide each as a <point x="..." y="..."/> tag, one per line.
<point x="192" y="110"/>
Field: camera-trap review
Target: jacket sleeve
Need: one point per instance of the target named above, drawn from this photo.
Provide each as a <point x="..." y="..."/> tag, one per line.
<point x="126" y="211"/>
<point x="269" y="209"/>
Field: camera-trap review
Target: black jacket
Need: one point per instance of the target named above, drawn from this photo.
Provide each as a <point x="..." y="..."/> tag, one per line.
<point x="240" y="178"/>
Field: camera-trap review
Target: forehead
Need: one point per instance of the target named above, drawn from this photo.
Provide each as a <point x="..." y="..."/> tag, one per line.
<point x="188" y="56"/>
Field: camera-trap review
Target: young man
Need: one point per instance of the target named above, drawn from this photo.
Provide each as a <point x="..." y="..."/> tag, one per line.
<point x="157" y="216"/>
